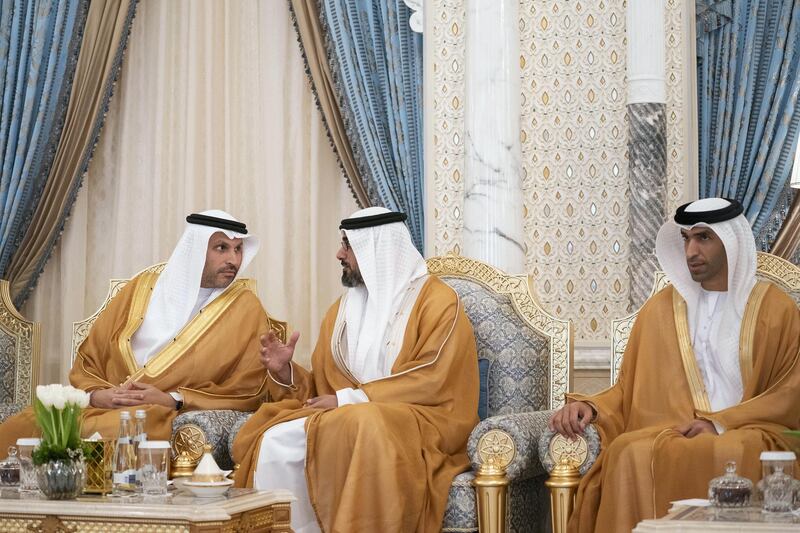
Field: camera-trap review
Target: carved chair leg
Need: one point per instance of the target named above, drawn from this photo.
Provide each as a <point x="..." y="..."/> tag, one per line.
<point x="491" y="488"/>
<point x="563" y="485"/>
<point x="496" y="450"/>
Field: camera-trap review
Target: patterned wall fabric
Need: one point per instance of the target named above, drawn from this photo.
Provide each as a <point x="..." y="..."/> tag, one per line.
<point x="748" y="80"/>
<point x="574" y="146"/>
<point x="376" y="62"/>
<point x="39" y="44"/>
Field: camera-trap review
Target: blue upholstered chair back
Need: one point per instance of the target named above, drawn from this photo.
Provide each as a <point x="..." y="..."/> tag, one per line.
<point x="513" y="358"/>
<point x="523" y="352"/>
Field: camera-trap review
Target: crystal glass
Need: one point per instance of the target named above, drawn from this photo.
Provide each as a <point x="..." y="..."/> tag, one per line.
<point x="778" y="492"/>
<point x="61" y="479"/>
<point x="9" y="469"/>
<point x="27" y="472"/>
<point x="730" y="489"/>
<point x="153" y="460"/>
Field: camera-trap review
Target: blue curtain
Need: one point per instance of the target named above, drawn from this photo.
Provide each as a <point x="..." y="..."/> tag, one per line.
<point x="748" y="80"/>
<point x="376" y="63"/>
<point x="39" y="43"/>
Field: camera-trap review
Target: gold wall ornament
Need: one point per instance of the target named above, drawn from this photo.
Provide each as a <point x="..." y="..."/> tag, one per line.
<point x="24" y="350"/>
<point x="518" y="289"/>
<point x="770" y="268"/>
<point x="496" y="450"/>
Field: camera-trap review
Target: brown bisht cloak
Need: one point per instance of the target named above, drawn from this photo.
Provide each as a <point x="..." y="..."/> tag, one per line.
<point x="213" y="361"/>
<point x="644" y="463"/>
<point x="385" y="465"/>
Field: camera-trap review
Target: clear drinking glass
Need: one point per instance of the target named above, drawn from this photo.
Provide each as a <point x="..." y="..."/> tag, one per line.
<point x="153" y="460"/>
<point x="27" y="472"/>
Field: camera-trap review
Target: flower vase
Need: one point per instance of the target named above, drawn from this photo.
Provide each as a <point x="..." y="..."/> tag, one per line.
<point x="61" y="479"/>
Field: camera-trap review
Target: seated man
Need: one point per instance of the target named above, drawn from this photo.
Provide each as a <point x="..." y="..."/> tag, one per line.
<point x="185" y="339"/>
<point x="709" y="375"/>
<point x="372" y="438"/>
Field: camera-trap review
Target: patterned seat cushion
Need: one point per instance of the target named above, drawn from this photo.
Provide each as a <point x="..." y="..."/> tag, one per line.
<point x="518" y="356"/>
<point x="461" y="514"/>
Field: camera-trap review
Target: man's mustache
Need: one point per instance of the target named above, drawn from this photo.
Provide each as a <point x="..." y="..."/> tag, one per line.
<point x="232" y="270"/>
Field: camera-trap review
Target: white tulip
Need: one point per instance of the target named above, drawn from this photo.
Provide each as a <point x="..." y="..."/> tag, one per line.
<point x="43" y="393"/>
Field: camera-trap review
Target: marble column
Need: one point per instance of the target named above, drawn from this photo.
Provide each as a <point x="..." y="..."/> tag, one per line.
<point x="647" y="140"/>
<point x="493" y="205"/>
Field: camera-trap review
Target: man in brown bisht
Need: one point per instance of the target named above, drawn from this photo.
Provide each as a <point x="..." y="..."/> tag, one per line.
<point x="182" y="340"/>
<point x="371" y="439"/>
<point x="710" y="374"/>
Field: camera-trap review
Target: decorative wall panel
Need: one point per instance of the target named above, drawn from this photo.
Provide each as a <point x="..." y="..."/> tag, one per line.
<point x="574" y="142"/>
<point x="574" y="136"/>
<point x="679" y="163"/>
<point x="449" y="131"/>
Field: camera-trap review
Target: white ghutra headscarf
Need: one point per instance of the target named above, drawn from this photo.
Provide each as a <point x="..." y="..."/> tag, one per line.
<point x="391" y="267"/>
<point x="177" y="292"/>
<point x="740" y="249"/>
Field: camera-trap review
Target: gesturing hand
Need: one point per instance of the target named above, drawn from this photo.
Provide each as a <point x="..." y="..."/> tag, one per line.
<point x="696" y="427"/>
<point x="571" y="419"/>
<point x="276" y="356"/>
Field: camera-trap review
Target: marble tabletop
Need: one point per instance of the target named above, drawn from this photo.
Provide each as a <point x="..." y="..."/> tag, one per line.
<point x="177" y="504"/>
<point x="702" y="519"/>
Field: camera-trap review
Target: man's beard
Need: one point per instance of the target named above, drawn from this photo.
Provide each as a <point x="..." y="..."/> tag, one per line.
<point x="351" y="278"/>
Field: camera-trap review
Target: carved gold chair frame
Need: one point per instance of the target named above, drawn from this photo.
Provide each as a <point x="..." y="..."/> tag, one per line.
<point x="27" y="347"/>
<point x="496" y="447"/>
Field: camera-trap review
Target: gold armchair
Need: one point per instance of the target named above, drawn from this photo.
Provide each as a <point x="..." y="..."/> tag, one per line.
<point x="20" y="345"/>
<point x="569" y="459"/>
<point x="524" y="359"/>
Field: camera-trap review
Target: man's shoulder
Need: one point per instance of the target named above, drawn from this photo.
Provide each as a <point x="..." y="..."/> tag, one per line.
<point x="662" y="297"/>
<point x="777" y="301"/>
<point x="436" y="288"/>
<point x="437" y="296"/>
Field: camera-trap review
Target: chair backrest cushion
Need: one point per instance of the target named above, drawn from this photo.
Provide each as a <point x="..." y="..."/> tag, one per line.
<point x="513" y="358"/>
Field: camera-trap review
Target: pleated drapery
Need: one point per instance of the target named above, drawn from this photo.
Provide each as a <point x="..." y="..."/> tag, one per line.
<point x="39" y="43"/>
<point x="748" y="85"/>
<point x="104" y="39"/>
<point x="374" y="72"/>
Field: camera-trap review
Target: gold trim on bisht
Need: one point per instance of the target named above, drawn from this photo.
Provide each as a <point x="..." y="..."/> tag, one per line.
<point x="693" y="376"/>
<point x="748" y="329"/>
<point x="185" y="338"/>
